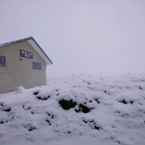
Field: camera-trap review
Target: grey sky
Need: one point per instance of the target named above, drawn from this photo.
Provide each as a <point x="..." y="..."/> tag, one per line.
<point x="88" y="36"/>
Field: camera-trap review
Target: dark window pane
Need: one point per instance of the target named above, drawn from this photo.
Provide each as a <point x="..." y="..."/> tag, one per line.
<point x="2" y="60"/>
<point x="22" y="53"/>
<point x="26" y="54"/>
<point x="29" y="54"/>
<point x="36" y="65"/>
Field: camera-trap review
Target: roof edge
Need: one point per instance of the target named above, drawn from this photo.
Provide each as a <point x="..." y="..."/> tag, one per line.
<point x="32" y="38"/>
<point x="26" y="39"/>
<point x="15" y="41"/>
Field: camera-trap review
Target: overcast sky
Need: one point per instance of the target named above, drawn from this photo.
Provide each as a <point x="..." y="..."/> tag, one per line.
<point x="80" y="36"/>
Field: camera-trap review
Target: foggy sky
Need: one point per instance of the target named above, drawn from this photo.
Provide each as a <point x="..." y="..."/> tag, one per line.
<point x="80" y="36"/>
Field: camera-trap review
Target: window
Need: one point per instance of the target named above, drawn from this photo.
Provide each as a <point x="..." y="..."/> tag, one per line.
<point x="26" y="54"/>
<point x="36" y="65"/>
<point x="22" y="53"/>
<point x="29" y="54"/>
<point x="2" y="60"/>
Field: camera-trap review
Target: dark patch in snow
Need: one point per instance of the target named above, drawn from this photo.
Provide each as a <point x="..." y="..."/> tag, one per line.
<point x="97" y="100"/>
<point x="124" y="101"/>
<point x="3" y="121"/>
<point x="106" y="92"/>
<point x="67" y="104"/>
<point x="30" y="127"/>
<point x="49" y="122"/>
<point x="50" y="118"/>
<point x="69" y="132"/>
<point x="57" y="92"/>
<point x="93" y="124"/>
<point x="83" y="108"/>
<point x="51" y="115"/>
<point x="43" y="98"/>
<point x="131" y="101"/>
<point x="113" y="126"/>
<point x="140" y="87"/>
<point x="26" y="107"/>
<point x="117" y="140"/>
<point x="32" y="112"/>
<point x="122" y="114"/>
<point x="35" y="93"/>
<point x="90" y="101"/>
<point x="87" y="82"/>
<point x="4" y="107"/>
<point x="10" y="117"/>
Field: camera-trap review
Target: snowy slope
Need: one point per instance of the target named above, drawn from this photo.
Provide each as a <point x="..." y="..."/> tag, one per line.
<point x="76" y="110"/>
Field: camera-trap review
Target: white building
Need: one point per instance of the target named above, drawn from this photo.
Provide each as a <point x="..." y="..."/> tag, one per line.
<point x="22" y="63"/>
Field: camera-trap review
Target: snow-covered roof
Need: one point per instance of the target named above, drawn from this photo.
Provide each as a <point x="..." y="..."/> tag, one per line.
<point x="34" y="44"/>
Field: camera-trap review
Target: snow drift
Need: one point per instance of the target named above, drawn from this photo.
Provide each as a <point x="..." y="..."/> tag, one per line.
<point x="76" y="110"/>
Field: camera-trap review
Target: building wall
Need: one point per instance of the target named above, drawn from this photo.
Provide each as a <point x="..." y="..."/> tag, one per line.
<point x="18" y="70"/>
<point x="7" y="80"/>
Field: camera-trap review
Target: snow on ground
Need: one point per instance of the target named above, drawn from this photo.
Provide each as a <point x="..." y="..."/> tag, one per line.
<point x="76" y="110"/>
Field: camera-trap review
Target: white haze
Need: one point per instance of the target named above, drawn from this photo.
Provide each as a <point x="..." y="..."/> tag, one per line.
<point x="80" y="36"/>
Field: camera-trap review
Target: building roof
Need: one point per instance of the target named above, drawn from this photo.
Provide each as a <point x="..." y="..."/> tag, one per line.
<point x="34" y="44"/>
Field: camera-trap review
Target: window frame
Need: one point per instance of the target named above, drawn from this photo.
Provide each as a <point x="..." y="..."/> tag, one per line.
<point x="26" y="54"/>
<point x="36" y="65"/>
<point x="2" y="60"/>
